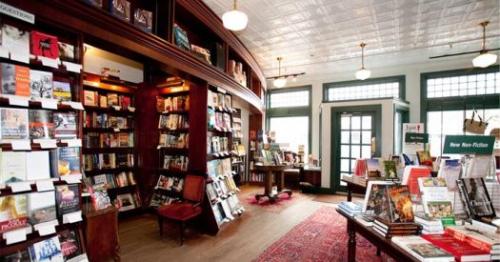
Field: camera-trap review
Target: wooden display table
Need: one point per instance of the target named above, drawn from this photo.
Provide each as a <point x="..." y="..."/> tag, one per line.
<point x="356" y="185"/>
<point x="101" y="234"/>
<point x="383" y="244"/>
<point x="269" y="171"/>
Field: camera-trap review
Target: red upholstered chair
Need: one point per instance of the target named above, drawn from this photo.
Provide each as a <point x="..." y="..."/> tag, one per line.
<point x="187" y="209"/>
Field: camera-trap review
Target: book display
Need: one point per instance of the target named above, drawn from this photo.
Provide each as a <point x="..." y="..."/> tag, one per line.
<point x="239" y="160"/>
<point x="40" y="174"/>
<point x="109" y="159"/>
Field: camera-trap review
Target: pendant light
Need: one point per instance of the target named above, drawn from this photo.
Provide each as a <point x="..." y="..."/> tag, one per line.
<point x="363" y="73"/>
<point x="484" y="59"/>
<point x="279" y="81"/>
<point x="235" y="20"/>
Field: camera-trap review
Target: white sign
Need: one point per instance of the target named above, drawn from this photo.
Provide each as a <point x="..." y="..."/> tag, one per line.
<point x="20" y="57"/>
<point x="72" y="179"/>
<point x="44" y="185"/>
<point x="15" y="236"/>
<point x="48" y="103"/>
<point x="19" y="186"/>
<point x="20" y="144"/>
<point x="131" y="109"/>
<point x="72" y="67"/>
<point x="46" y="228"/>
<point x="18" y="101"/>
<point x="17" y="13"/>
<point x="74" y="105"/>
<point x="72" y="217"/>
<point x="72" y="142"/>
<point x="46" y="143"/>
<point x="50" y="62"/>
<point x="412" y="148"/>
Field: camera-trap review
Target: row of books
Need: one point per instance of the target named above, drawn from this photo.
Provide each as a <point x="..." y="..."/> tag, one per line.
<point x="375" y="167"/>
<point x="66" y="246"/>
<point x="180" y="140"/>
<point x="94" y="98"/>
<point x="104" y="120"/>
<point x="226" y="209"/>
<point x="173" y="122"/>
<point x="107" y="161"/>
<point x="350" y="208"/>
<point x="22" y="81"/>
<point x="38" y="165"/>
<point x="236" y="71"/>
<point x="175" y="163"/>
<point x="108" y="181"/>
<point x="36" y="124"/>
<point x="218" y="145"/>
<point x="221" y="189"/>
<point x="39" y="207"/>
<point x="237" y="128"/>
<point x="219" y="100"/>
<point x="169" y="183"/>
<point x="219" y="168"/>
<point x="159" y="199"/>
<point x="218" y="120"/>
<point x="108" y="140"/>
<point x="176" y="103"/>
<point x="389" y="229"/>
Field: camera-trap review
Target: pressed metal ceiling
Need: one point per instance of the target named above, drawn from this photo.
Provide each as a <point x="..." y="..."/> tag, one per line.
<point x="321" y="36"/>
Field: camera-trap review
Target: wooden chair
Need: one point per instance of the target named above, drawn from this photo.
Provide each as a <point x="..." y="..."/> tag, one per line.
<point x="187" y="209"/>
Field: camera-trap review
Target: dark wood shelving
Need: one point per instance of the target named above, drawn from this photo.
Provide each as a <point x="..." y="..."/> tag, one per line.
<point x="34" y="146"/>
<point x="178" y="112"/>
<point x="107" y="130"/>
<point x="36" y="105"/>
<point x="174" y="151"/>
<point x="109" y="110"/>
<point x="109" y="170"/>
<point x="178" y="130"/>
<point x="37" y="65"/>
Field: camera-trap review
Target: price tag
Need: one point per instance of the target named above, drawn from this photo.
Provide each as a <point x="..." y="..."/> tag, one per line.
<point x="117" y="108"/>
<point x="46" y="143"/>
<point x="50" y="62"/>
<point x="15" y="236"/>
<point x="131" y="109"/>
<point x="73" y="142"/>
<point x="46" y="228"/>
<point x="20" y="145"/>
<point x="49" y="103"/>
<point x="18" y="101"/>
<point x="72" y="67"/>
<point x="20" y="57"/>
<point x="72" y="217"/>
<point x="44" y="185"/>
<point x="17" y="187"/>
<point x="72" y="179"/>
<point x="4" y="52"/>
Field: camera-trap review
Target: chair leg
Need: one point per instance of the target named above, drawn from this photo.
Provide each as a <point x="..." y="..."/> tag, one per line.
<point x="160" y="224"/>
<point x="182" y="232"/>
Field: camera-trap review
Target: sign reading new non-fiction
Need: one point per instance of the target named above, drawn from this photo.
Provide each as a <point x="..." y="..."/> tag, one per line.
<point x="416" y="138"/>
<point x="468" y="144"/>
<point x="17" y="13"/>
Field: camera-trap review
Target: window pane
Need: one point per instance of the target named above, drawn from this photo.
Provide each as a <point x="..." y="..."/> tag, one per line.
<point x="339" y="92"/>
<point x="345" y="122"/>
<point x="366" y="151"/>
<point x="356" y="152"/>
<point x="344" y="137"/>
<point x="367" y="122"/>
<point x="344" y="165"/>
<point x="291" y="132"/>
<point x="467" y="85"/>
<point x="355" y="139"/>
<point x="289" y="99"/>
<point x="344" y="151"/>
<point x="356" y="122"/>
<point x="366" y="137"/>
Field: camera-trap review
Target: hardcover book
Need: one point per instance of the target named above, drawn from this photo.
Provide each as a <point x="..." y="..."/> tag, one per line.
<point x="61" y="91"/>
<point x="100" y="197"/>
<point x="477" y="199"/>
<point x="390" y="171"/>
<point x="90" y="98"/>
<point x="373" y="167"/>
<point x="143" y="19"/>
<point x="66" y="51"/>
<point x="126" y="202"/>
<point x="113" y="99"/>
<point x="44" y="45"/>
<point x="65" y="125"/>
<point x="41" y="124"/>
<point x="410" y="178"/>
<point x="41" y="207"/>
<point x="120" y="9"/>
<point x="376" y="201"/>
<point x="48" y="250"/>
<point x="424" y="158"/>
<point x="16" y="41"/>
<point x="15" y="80"/>
<point x="461" y="250"/>
<point x="401" y="205"/>
<point x="15" y="124"/>
<point x="68" y="161"/>
<point x="70" y="243"/>
<point x="40" y="84"/>
<point x="67" y="199"/>
<point x="435" y="197"/>
<point x="181" y="38"/>
<point x="450" y="169"/>
<point x="13" y="212"/>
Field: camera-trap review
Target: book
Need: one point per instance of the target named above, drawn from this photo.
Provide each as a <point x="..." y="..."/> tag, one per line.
<point x="13" y="167"/>
<point x="66" y="50"/>
<point x="70" y="243"/>
<point x="476" y="198"/>
<point x="143" y="19"/>
<point x="376" y="197"/>
<point x="487" y="241"/>
<point x="461" y="250"/>
<point x="400" y="204"/>
<point x="120" y="9"/>
<point x="15" y="124"/>
<point x="125" y="202"/>
<point x="424" y="158"/>
<point x="100" y="198"/>
<point x="181" y="38"/>
<point x="13" y="212"/>
<point x="18" y="256"/>
<point x="41" y="124"/>
<point x="38" y="165"/>
<point x="390" y="171"/>
<point x="422" y="249"/>
<point x="67" y="199"/>
<point x="373" y="167"/>
<point x="65" y="125"/>
<point x="61" y="91"/>
<point x="90" y="98"/>
<point x="17" y="41"/>
<point x="48" y="250"/>
<point x="41" y="207"/>
<point x="44" y="45"/>
<point x="435" y="197"/>
<point x="450" y="170"/>
<point x="410" y="178"/>
<point x="15" y="80"/>
<point x="68" y="161"/>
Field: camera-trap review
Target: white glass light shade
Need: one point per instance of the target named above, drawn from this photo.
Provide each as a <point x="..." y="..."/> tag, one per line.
<point x="279" y="82"/>
<point x="235" y="20"/>
<point x="484" y="60"/>
<point x="363" y="74"/>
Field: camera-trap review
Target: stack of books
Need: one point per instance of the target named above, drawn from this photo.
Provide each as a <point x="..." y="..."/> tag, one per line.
<point x="365" y="219"/>
<point x="422" y="249"/>
<point x="485" y="241"/>
<point x="350" y="208"/>
<point x="429" y="226"/>
<point x="461" y="250"/>
<point x="388" y="229"/>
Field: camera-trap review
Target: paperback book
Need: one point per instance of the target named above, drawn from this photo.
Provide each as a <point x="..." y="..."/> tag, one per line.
<point x="40" y="84"/>
<point x="14" y="212"/>
<point x="41" y="124"/>
<point x="41" y="207"/>
<point x="17" y="41"/>
<point x="15" y="124"/>
<point x="65" y="125"/>
<point x="67" y="199"/>
<point x="477" y="200"/>
<point x="120" y="9"/>
<point x="68" y="161"/>
<point x="13" y="167"/>
<point x="435" y="198"/>
<point x="70" y="243"/>
<point x="62" y="91"/>
<point x="48" y="250"/>
<point x="44" y="45"/>
<point x="143" y="19"/>
<point x="15" y="80"/>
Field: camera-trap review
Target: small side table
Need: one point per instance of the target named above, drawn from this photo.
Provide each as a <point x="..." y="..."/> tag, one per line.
<point x="269" y="171"/>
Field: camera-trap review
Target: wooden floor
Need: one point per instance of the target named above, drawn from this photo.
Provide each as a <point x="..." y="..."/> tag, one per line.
<point x="242" y="240"/>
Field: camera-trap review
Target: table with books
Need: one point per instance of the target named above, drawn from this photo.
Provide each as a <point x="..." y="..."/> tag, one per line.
<point x="269" y="172"/>
<point x="355" y="184"/>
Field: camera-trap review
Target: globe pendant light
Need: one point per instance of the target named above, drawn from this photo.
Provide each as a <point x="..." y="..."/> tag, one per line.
<point x="484" y="59"/>
<point x="235" y="20"/>
<point x="363" y="73"/>
<point x="279" y="81"/>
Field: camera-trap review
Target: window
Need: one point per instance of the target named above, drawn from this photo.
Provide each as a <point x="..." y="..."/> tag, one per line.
<point x="367" y="89"/>
<point x="450" y="97"/>
<point x="289" y="115"/>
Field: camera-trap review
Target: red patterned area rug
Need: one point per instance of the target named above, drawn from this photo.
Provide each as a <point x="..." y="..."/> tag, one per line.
<point x="275" y="207"/>
<point x="321" y="237"/>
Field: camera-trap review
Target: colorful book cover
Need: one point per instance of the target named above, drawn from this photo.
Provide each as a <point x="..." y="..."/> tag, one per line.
<point x="15" y="123"/>
<point x="15" y="40"/>
<point x="70" y="243"/>
<point x="48" y="250"/>
<point x="90" y="98"/>
<point x="68" y="161"/>
<point x="113" y="99"/>
<point x="13" y="212"/>
<point x="126" y="102"/>
<point x="435" y="197"/>
<point x="412" y="180"/>
<point x="41" y="207"/>
<point x="373" y="167"/>
<point x="143" y="19"/>
<point x="15" y="80"/>
<point x="400" y="204"/>
<point x="424" y="158"/>
<point x="44" y="45"/>
<point x="41" y="124"/>
<point x="61" y="91"/>
<point x="376" y="201"/>
<point x="390" y="171"/>
<point x="126" y="202"/>
<point x="13" y="167"/>
<point x="65" y="124"/>
<point x="120" y="9"/>
<point x="427" y="251"/>
<point x="181" y="38"/>
<point x="459" y="249"/>
<point x="67" y="199"/>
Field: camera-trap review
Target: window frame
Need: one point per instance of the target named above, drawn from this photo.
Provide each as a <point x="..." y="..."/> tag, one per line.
<point x="290" y="111"/>
<point x="401" y="79"/>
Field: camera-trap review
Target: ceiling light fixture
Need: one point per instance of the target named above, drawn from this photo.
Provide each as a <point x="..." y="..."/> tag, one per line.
<point x="363" y="73"/>
<point x="235" y="20"/>
<point x="484" y="59"/>
<point x="279" y="81"/>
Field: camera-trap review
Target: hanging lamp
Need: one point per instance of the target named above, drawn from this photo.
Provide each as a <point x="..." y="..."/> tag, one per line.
<point x="363" y="73"/>
<point x="279" y="81"/>
<point x="235" y="20"/>
<point x="484" y="59"/>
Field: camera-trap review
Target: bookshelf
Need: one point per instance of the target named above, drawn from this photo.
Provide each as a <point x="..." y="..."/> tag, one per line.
<point x="40" y="177"/>
<point x="109" y="139"/>
<point x="239" y="159"/>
